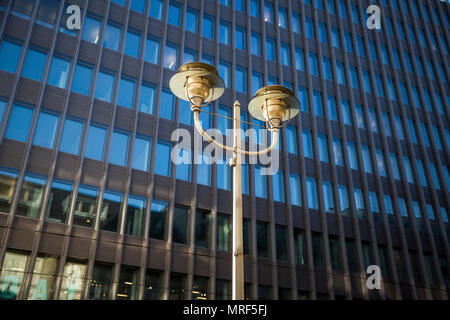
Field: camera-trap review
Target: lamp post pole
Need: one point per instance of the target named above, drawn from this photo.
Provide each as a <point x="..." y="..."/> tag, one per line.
<point x="238" y="246"/>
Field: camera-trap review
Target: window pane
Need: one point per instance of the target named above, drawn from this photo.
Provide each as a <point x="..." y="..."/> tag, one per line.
<point x="260" y="184"/>
<point x="109" y="215"/>
<point x="174" y="15"/>
<point x="156" y="9"/>
<point x="91" y="30"/>
<point x="19" y="123"/>
<point x="180" y="224"/>
<point x="183" y="164"/>
<point x="152" y="51"/>
<point x="82" y="79"/>
<point x="101" y="282"/>
<point x="191" y="21"/>
<point x="119" y="149"/>
<point x="281" y="242"/>
<point x="162" y="166"/>
<point x="223" y="233"/>
<point x="132" y="44"/>
<point x="224" y="32"/>
<point x="208" y="27"/>
<point x="294" y="183"/>
<point x="147" y="99"/>
<point x="34" y="65"/>
<point x="11" y="275"/>
<point x="328" y="196"/>
<point x="312" y="193"/>
<point x="111" y="39"/>
<point x="125" y="96"/>
<point x="95" y="143"/>
<point x="30" y="197"/>
<point x="278" y="186"/>
<point x="262" y="237"/>
<point x="59" y="70"/>
<point x="202" y="233"/>
<point x="59" y="201"/>
<point x="104" y="86"/>
<point x="158" y="214"/>
<point x="45" y="130"/>
<point x="71" y="136"/>
<point x="9" y="56"/>
<point x="141" y="154"/>
<point x="86" y="206"/>
<point x="170" y="57"/>
<point x="167" y="105"/>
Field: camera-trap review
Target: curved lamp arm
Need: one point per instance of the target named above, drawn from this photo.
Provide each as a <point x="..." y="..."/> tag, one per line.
<point x="248" y="153"/>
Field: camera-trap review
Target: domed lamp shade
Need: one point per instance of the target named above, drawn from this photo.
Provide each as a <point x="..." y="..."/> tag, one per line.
<point x="197" y="83"/>
<point x="274" y="104"/>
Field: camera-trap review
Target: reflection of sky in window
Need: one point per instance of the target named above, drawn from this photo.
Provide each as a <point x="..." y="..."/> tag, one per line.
<point x="170" y="57"/>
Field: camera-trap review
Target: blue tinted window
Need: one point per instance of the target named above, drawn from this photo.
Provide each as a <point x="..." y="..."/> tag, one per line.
<point x="340" y="72"/>
<point x="240" y="38"/>
<point x="327" y="68"/>
<point x="208" y="27"/>
<point x="314" y="68"/>
<point x="254" y="8"/>
<point x="256" y="82"/>
<point x="224" y="73"/>
<point x="45" y="130"/>
<point x="338" y="155"/>
<point x="268" y="12"/>
<point x="260" y="184"/>
<point x="9" y="56"/>
<point x="299" y="59"/>
<point x="191" y="21"/>
<point x="328" y="196"/>
<point x="95" y="143"/>
<point x="152" y="51"/>
<point x="285" y="54"/>
<point x="111" y="38"/>
<point x="59" y="70"/>
<point x="394" y="164"/>
<point x="223" y="175"/>
<point x="71" y="136"/>
<point x="323" y="32"/>
<point x="421" y="170"/>
<point x="354" y="77"/>
<point x="147" y="99"/>
<point x="291" y="138"/>
<point x="323" y="150"/>
<point x="125" y="96"/>
<point x="119" y="148"/>
<point x="170" y="57"/>
<point x="185" y="113"/>
<point x="132" y="44"/>
<point x="19" y="123"/>
<point x="91" y="30"/>
<point x="317" y="98"/>
<point x="104" y="86"/>
<point x="312" y="193"/>
<point x="346" y="112"/>
<point x="381" y="163"/>
<point x="138" y="5"/>
<point x="278" y="186"/>
<point x="307" y="144"/>
<point x="156" y="9"/>
<point x="366" y="159"/>
<point x="353" y="159"/>
<point x="309" y="28"/>
<point x="167" y="105"/>
<point x="141" y="154"/>
<point x="332" y="108"/>
<point x="270" y="48"/>
<point x="183" y="164"/>
<point x="343" y="199"/>
<point x="162" y="166"/>
<point x="256" y="44"/>
<point x="174" y="15"/>
<point x="408" y="170"/>
<point x="303" y="97"/>
<point x="294" y="183"/>
<point x="348" y="41"/>
<point x="204" y="170"/>
<point x="2" y="110"/>
<point x="241" y="79"/>
<point x="189" y="56"/>
<point x="335" y="38"/>
<point x="34" y="65"/>
<point x="82" y="79"/>
<point x="224" y="32"/>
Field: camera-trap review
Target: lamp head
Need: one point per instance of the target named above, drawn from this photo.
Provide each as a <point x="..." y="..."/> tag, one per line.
<point x="274" y="104"/>
<point x="198" y="83"/>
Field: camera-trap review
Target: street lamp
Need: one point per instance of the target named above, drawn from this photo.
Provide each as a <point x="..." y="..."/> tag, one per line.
<point x="200" y="84"/>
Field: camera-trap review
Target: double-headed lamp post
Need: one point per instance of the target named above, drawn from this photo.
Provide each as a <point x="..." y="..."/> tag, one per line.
<point x="200" y="84"/>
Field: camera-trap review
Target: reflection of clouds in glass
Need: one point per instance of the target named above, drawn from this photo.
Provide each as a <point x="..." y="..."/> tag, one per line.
<point x="170" y="58"/>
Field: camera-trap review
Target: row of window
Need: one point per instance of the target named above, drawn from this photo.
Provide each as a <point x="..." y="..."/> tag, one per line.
<point x="99" y="284"/>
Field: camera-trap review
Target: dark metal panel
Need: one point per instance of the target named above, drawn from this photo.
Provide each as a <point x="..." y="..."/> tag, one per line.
<point x="66" y="166"/>
<point x="6" y="83"/>
<point x="91" y="173"/>
<point x="202" y="265"/>
<point x="40" y="160"/>
<point x="264" y="272"/>
<point x="53" y="98"/>
<point x="130" y="66"/>
<point x="131" y="255"/>
<point x="51" y="243"/>
<point x="110" y="59"/>
<point x="224" y="201"/>
<point x="97" y="7"/>
<point x="162" y="192"/>
<point x="321" y="280"/>
<point x="223" y="267"/>
<point x="302" y="278"/>
<point x="183" y="193"/>
<point x="65" y="44"/>
<point x="124" y="118"/>
<point x="41" y="36"/>
<point x="180" y="262"/>
<point x="88" y="52"/>
<point x="116" y="178"/>
<point x="16" y="28"/>
<point x="339" y="283"/>
<point x="11" y="153"/>
<point x="78" y="105"/>
<point x="28" y="91"/>
<point x="283" y="277"/>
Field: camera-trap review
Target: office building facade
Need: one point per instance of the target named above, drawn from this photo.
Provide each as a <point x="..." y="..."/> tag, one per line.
<point x="91" y="206"/>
